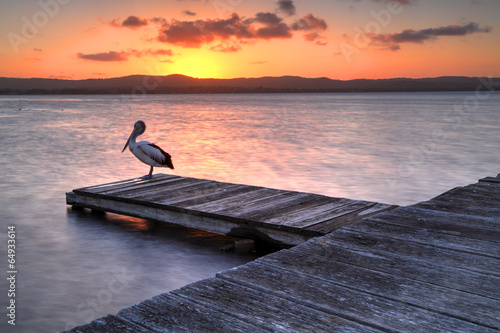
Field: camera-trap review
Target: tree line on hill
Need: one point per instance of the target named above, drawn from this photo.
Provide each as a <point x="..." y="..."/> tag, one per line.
<point x="180" y="84"/>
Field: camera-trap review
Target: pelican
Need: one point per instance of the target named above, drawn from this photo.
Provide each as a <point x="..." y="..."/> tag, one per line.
<point x="147" y="152"/>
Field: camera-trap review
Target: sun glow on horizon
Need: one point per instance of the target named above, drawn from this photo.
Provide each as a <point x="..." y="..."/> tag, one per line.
<point x="197" y="64"/>
<point x="336" y="39"/>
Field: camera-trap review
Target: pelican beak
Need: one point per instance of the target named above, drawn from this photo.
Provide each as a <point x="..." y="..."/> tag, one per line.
<point x="126" y="145"/>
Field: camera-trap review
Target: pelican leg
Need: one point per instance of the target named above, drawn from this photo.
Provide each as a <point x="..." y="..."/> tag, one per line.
<point x="149" y="175"/>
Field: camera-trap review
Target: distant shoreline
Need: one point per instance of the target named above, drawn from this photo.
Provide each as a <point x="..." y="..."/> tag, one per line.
<point x="180" y="84"/>
<point x="277" y="91"/>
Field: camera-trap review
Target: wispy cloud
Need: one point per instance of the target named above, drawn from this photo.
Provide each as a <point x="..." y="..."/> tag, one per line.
<point x="226" y="48"/>
<point x="188" y="13"/>
<point x="114" y="56"/>
<point x="105" y="56"/>
<point x="392" y="41"/>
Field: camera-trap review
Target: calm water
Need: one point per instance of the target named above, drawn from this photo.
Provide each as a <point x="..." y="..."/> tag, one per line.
<point x="74" y="266"/>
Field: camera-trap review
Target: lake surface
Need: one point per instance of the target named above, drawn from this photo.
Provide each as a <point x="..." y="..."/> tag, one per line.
<point x="73" y="267"/>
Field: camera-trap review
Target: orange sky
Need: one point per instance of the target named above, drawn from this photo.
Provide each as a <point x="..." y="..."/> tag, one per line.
<point x="339" y="39"/>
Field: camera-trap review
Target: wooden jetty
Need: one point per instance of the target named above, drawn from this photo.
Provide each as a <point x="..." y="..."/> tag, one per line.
<point x="276" y="216"/>
<point x="430" y="267"/>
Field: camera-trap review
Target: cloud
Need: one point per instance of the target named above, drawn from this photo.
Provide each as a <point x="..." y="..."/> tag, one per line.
<point x="260" y="62"/>
<point x="286" y="7"/>
<point x="265" y="18"/>
<point x="309" y="22"/>
<point x="106" y="56"/>
<point x="279" y="30"/>
<point x="123" y="55"/>
<point x="392" y="41"/>
<point x="134" y="22"/>
<point x="189" y="13"/>
<point x="273" y="27"/>
<point x="263" y="25"/>
<point x="311" y="36"/>
<point x="226" y="49"/>
<point x="196" y="33"/>
<point x="312" y="26"/>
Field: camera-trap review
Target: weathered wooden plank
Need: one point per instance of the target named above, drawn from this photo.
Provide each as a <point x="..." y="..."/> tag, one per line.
<point x="110" y="324"/>
<point x="145" y="186"/>
<point x="347" y="214"/>
<point x="265" y="310"/>
<point x="349" y="218"/>
<point x="254" y="194"/>
<point x="264" y="203"/>
<point x="174" y="184"/>
<point x="481" y="228"/>
<point x="376" y="209"/>
<point x="130" y="183"/>
<point x="429" y="237"/>
<point x="111" y="184"/>
<point x="491" y="179"/>
<point x="486" y="188"/>
<point x="297" y="218"/>
<point x="373" y="243"/>
<point x="179" y="192"/>
<point x="299" y="203"/>
<point x="454" y="201"/>
<point x="467" y="207"/>
<point x="481" y="194"/>
<point x="327" y="296"/>
<point x="210" y="195"/>
<point x="359" y="249"/>
<point x="148" y="184"/>
<point x="170" y="313"/>
<point x="451" y="302"/>
<point x="332" y="212"/>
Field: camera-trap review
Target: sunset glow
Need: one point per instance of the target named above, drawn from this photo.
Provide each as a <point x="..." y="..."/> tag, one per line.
<point x="204" y="65"/>
<point x="339" y="39"/>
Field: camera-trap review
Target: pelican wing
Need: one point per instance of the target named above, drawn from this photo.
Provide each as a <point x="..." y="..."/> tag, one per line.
<point x="157" y="154"/>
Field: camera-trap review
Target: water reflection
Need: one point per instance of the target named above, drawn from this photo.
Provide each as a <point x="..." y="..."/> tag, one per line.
<point x="128" y="223"/>
<point x="343" y="145"/>
<point x="85" y="218"/>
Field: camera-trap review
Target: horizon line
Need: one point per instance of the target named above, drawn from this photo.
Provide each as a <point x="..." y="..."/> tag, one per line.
<point x="241" y="77"/>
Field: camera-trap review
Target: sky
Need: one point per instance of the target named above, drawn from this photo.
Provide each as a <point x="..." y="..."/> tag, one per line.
<point x="339" y="39"/>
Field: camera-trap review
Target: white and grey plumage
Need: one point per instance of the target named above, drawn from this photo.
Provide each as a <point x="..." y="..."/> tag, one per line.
<point x="147" y="152"/>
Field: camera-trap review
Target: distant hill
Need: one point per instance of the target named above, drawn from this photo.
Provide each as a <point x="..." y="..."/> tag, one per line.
<point x="140" y="84"/>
